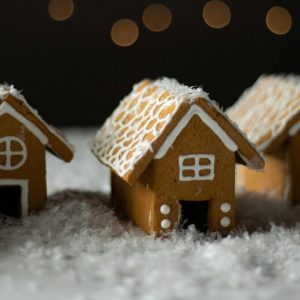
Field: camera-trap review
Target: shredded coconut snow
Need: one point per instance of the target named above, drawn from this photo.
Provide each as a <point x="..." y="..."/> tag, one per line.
<point x="10" y="89"/>
<point x="78" y="249"/>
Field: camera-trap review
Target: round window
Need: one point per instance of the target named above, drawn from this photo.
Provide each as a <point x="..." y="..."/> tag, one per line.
<point x="13" y="153"/>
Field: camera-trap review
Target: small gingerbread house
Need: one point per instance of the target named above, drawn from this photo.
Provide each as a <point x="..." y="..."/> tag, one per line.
<point x="24" y="137"/>
<point x="172" y="153"/>
<point x="269" y="113"/>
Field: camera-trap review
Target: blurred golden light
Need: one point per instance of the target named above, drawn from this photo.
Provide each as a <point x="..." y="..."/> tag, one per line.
<point x="157" y="17"/>
<point x="279" y="20"/>
<point x="124" y="32"/>
<point x="61" y="10"/>
<point x="216" y="14"/>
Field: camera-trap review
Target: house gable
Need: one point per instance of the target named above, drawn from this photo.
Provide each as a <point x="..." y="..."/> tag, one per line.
<point x="56" y="142"/>
<point x="196" y="110"/>
<point x="194" y="167"/>
<point x="6" y="108"/>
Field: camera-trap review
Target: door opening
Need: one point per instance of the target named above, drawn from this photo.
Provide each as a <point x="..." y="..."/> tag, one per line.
<point x="10" y="200"/>
<point x="194" y="212"/>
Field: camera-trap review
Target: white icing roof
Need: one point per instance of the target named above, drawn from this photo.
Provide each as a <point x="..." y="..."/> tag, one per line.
<point x="140" y="119"/>
<point x="266" y="109"/>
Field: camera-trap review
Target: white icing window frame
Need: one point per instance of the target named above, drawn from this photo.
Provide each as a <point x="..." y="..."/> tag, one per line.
<point x="196" y="167"/>
<point x="8" y="153"/>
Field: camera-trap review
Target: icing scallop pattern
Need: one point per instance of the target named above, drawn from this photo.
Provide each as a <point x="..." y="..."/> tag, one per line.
<point x="139" y="120"/>
<point x="264" y="110"/>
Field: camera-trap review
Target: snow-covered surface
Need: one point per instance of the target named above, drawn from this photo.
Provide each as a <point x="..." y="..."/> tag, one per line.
<point x="77" y="248"/>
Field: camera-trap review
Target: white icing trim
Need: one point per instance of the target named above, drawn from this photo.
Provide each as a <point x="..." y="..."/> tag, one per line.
<point x="212" y="124"/>
<point x="165" y="209"/>
<point x="9" y="153"/>
<point x="294" y="130"/>
<point x="197" y="167"/>
<point x="23" y="183"/>
<point x="225" y="222"/>
<point x="225" y="207"/>
<point x="6" y="108"/>
<point x="165" y="223"/>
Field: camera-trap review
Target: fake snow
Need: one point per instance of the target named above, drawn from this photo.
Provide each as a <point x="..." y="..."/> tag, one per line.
<point x="77" y="248"/>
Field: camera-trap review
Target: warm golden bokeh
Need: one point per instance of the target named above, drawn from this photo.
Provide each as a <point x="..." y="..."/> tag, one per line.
<point x="157" y="17"/>
<point x="61" y="10"/>
<point x="216" y="14"/>
<point x="279" y="20"/>
<point x="124" y="32"/>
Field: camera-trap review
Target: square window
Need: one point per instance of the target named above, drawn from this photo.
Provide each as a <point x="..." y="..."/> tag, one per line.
<point x="196" y="167"/>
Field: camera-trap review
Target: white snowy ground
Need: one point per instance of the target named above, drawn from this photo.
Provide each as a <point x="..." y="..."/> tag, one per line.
<point x="77" y="248"/>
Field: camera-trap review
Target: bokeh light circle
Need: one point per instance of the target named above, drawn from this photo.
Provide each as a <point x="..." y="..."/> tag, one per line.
<point x="61" y="10"/>
<point x="279" y="20"/>
<point x="124" y="32"/>
<point x="157" y="17"/>
<point x="216" y="14"/>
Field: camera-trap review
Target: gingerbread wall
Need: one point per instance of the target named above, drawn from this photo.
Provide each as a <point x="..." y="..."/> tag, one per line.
<point x="33" y="168"/>
<point x="136" y="202"/>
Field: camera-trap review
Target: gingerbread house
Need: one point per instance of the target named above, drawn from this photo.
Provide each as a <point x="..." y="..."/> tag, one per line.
<point x="269" y="113"/>
<point x="172" y="153"/>
<point x="24" y="137"/>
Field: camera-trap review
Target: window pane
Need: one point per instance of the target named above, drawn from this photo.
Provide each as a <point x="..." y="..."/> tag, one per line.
<point x="15" y="146"/>
<point x="204" y="172"/>
<point x="2" y="146"/>
<point x="204" y="161"/>
<point x="2" y="160"/>
<point x="189" y="162"/>
<point x="188" y="173"/>
<point x="16" y="159"/>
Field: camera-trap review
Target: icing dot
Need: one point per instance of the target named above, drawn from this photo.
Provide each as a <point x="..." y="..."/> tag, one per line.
<point x="165" y="224"/>
<point x="165" y="209"/>
<point x="225" y="221"/>
<point x="225" y="207"/>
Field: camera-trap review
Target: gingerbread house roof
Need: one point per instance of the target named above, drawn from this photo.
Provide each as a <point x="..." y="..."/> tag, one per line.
<point x="14" y="103"/>
<point x="143" y="121"/>
<point x="269" y="111"/>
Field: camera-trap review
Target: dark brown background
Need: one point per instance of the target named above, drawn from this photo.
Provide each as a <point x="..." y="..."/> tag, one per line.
<point x="74" y="75"/>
